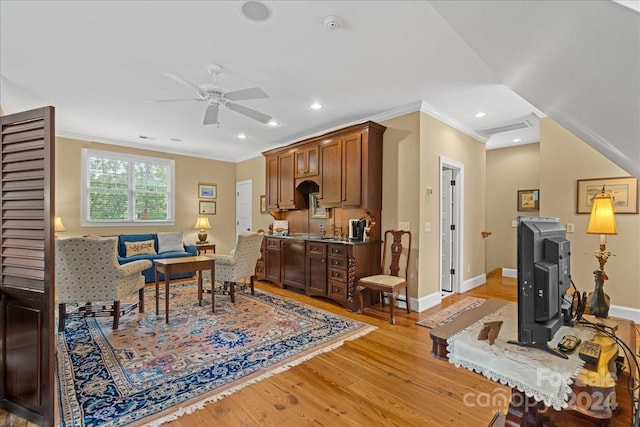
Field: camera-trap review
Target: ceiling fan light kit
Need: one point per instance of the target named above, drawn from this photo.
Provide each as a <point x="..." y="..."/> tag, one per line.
<point x="215" y="96"/>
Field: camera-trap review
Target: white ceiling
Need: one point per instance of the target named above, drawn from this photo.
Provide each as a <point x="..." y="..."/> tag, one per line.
<point x="98" y="61"/>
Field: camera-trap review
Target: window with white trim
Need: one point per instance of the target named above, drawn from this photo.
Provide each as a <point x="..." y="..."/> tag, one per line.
<point x="124" y="189"/>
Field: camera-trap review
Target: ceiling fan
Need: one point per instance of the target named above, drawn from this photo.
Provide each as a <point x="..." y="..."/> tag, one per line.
<point x="214" y="97"/>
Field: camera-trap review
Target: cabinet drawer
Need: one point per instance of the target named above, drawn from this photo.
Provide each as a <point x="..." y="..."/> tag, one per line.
<point x="337" y="290"/>
<point x="273" y="243"/>
<point x="335" y="274"/>
<point x="316" y="248"/>
<point x="338" y="250"/>
<point x="340" y="263"/>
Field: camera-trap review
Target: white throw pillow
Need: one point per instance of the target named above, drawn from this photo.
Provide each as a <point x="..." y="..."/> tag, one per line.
<point x="170" y="242"/>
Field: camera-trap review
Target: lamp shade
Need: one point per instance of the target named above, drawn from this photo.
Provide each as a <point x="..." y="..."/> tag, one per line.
<point x="602" y="220"/>
<point x="202" y="223"/>
<point x="58" y="225"/>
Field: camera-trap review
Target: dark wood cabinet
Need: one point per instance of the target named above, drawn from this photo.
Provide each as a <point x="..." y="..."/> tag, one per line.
<point x="316" y="269"/>
<point x="286" y="184"/>
<point x="306" y="161"/>
<point x="273" y="261"/>
<point x="272" y="182"/>
<point x="331" y="173"/>
<point x="349" y="172"/>
<point x="293" y="263"/>
<point x="352" y="169"/>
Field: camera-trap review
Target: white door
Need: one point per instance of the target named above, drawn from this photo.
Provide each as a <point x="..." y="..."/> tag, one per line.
<point x="446" y="221"/>
<point x="243" y="206"/>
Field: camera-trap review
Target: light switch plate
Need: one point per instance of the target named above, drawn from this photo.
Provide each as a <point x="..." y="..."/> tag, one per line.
<point x="570" y="228"/>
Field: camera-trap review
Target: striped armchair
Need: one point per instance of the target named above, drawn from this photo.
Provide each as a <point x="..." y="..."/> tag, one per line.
<point x="240" y="264"/>
<point x="87" y="271"/>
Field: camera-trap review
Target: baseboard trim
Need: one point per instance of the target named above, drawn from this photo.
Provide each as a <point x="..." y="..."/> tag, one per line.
<point x="472" y="283"/>
<point x="509" y="272"/>
<point x="625" y="312"/>
<point x="418" y="304"/>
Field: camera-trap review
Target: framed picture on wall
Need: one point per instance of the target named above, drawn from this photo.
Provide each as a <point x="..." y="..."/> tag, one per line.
<point x="528" y="200"/>
<point x="207" y="191"/>
<point x="623" y="190"/>
<point x="207" y="208"/>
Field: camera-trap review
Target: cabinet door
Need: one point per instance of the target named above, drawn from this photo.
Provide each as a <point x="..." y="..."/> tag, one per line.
<point x="286" y="185"/>
<point x="272" y="262"/>
<point x="316" y="272"/>
<point x="352" y="169"/>
<point x="306" y="161"/>
<point x="331" y="173"/>
<point x="272" y="183"/>
<point x="293" y="263"/>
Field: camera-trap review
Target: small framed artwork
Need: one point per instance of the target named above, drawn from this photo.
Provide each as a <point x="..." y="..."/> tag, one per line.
<point x="624" y="192"/>
<point x="315" y="209"/>
<point x="207" y="191"/>
<point x="263" y="204"/>
<point x="528" y="200"/>
<point x="207" y="208"/>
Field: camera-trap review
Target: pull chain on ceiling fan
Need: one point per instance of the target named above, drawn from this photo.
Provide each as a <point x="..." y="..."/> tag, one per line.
<point x="214" y="96"/>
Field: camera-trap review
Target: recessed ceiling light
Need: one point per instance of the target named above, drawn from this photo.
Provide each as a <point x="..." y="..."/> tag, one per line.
<point x="242" y="136"/>
<point x="175" y="139"/>
<point x="315" y="106"/>
<point x="256" y="11"/>
<point x="516" y="140"/>
<point x="273" y="123"/>
<point x="479" y="114"/>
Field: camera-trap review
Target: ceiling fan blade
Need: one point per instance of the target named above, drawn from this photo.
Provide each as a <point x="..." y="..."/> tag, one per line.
<point x="246" y="111"/>
<point x="155" y="101"/>
<point x="211" y="115"/>
<point x="186" y="82"/>
<point x="242" y="94"/>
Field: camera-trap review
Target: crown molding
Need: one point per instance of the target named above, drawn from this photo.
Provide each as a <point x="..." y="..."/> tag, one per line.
<point x="134" y="144"/>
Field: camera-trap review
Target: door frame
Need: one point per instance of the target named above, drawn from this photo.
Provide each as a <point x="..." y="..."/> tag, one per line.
<point x="458" y="208"/>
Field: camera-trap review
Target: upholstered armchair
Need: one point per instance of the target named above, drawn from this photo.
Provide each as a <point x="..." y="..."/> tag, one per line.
<point x="87" y="271"/>
<point x="240" y="264"/>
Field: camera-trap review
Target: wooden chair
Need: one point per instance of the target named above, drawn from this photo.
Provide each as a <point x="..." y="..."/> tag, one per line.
<point x="87" y="269"/>
<point x="389" y="284"/>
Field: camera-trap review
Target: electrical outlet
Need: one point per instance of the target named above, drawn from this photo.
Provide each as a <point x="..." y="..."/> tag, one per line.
<point x="570" y="228"/>
<point x="404" y="226"/>
<point x="427" y="227"/>
<point x="514" y="223"/>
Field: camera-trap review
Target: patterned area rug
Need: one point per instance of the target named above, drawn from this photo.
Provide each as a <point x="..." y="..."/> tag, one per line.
<point x="449" y="313"/>
<point x="148" y="372"/>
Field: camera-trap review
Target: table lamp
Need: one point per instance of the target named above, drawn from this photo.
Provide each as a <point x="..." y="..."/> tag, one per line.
<point x="203" y="224"/>
<point x="58" y="226"/>
<point x="601" y="222"/>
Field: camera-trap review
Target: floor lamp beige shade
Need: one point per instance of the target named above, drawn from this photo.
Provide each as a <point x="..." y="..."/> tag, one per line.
<point x="202" y="223"/>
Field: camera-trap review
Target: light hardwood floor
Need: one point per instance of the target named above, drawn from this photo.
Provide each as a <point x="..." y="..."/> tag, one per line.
<point x="386" y="378"/>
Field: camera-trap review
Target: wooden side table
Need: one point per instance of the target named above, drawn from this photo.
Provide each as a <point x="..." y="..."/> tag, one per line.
<point x="202" y="248"/>
<point x="169" y="266"/>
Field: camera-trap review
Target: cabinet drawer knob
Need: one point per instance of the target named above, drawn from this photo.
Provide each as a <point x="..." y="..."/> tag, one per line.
<point x="323" y="261"/>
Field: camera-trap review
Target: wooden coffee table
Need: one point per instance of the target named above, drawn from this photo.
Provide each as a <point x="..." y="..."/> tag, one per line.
<point x="169" y="266"/>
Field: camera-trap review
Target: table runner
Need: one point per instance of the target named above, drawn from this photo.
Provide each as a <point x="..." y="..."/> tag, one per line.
<point x="538" y="374"/>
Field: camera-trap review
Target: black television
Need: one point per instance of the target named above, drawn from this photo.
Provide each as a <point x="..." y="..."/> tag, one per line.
<point x="543" y="280"/>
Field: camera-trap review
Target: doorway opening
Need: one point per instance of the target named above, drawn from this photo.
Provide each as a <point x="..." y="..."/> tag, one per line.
<point x="451" y="191"/>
